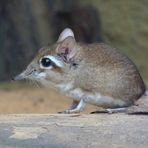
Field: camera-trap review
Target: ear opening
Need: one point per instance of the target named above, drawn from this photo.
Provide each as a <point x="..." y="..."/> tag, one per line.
<point x="67" y="49"/>
<point x="65" y="33"/>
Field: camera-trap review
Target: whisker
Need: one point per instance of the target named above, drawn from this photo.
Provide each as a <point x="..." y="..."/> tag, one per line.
<point x="36" y="84"/>
<point x="33" y="83"/>
<point x="30" y="82"/>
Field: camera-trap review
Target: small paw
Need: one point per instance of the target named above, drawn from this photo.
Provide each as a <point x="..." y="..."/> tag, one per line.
<point x="110" y="111"/>
<point x="67" y="111"/>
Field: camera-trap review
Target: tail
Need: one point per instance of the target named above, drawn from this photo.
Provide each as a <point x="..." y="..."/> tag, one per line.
<point x="140" y="106"/>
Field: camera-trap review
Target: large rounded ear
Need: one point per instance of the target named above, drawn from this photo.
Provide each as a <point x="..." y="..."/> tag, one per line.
<point x="65" y="33"/>
<point x="67" y="49"/>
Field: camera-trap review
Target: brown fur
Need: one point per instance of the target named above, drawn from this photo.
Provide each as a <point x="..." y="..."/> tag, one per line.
<point x="92" y="68"/>
<point x="109" y="72"/>
<point x="103" y="69"/>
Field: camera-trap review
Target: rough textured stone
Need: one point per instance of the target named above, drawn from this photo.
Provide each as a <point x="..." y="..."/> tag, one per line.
<point x="70" y="131"/>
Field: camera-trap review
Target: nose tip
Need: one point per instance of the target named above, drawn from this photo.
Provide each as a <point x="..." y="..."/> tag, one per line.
<point x="14" y="78"/>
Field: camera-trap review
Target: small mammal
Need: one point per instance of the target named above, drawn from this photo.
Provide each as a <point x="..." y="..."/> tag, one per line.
<point x="89" y="73"/>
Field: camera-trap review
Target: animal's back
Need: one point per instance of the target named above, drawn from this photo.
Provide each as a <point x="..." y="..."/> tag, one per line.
<point x="107" y="71"/>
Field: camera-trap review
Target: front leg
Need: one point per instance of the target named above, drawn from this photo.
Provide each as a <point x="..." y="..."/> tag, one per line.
<point x="74" y="104"/>
<point x="76" y="107"/>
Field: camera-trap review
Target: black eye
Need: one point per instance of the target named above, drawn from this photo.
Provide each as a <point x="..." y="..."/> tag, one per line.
<point x="46" y="62"/>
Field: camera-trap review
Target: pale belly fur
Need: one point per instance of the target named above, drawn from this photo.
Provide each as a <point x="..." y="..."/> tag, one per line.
<point x="92" y="98"/>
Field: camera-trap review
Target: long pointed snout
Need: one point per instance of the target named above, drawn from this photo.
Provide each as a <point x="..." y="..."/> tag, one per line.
<point x="19" y="77"/>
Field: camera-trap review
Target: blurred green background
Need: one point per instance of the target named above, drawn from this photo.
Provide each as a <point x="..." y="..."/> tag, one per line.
<point x="27" y="25"/>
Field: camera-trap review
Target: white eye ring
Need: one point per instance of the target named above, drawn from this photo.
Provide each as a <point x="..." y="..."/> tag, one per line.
<point x="53" y="59"/>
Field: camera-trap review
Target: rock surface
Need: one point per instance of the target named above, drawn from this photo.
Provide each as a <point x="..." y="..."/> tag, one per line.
<point x="73" y="131"/>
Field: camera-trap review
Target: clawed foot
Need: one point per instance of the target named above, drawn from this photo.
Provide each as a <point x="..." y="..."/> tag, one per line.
<point x="110" y="111"/>
<point x="75" y="108"/>
<point x="69" y="111"/>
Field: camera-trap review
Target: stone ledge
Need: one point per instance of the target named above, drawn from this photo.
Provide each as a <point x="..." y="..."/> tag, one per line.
<point x="73" y="131"/>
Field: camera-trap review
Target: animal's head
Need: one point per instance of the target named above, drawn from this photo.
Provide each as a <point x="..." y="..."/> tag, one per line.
<point x="53" y="62"/>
